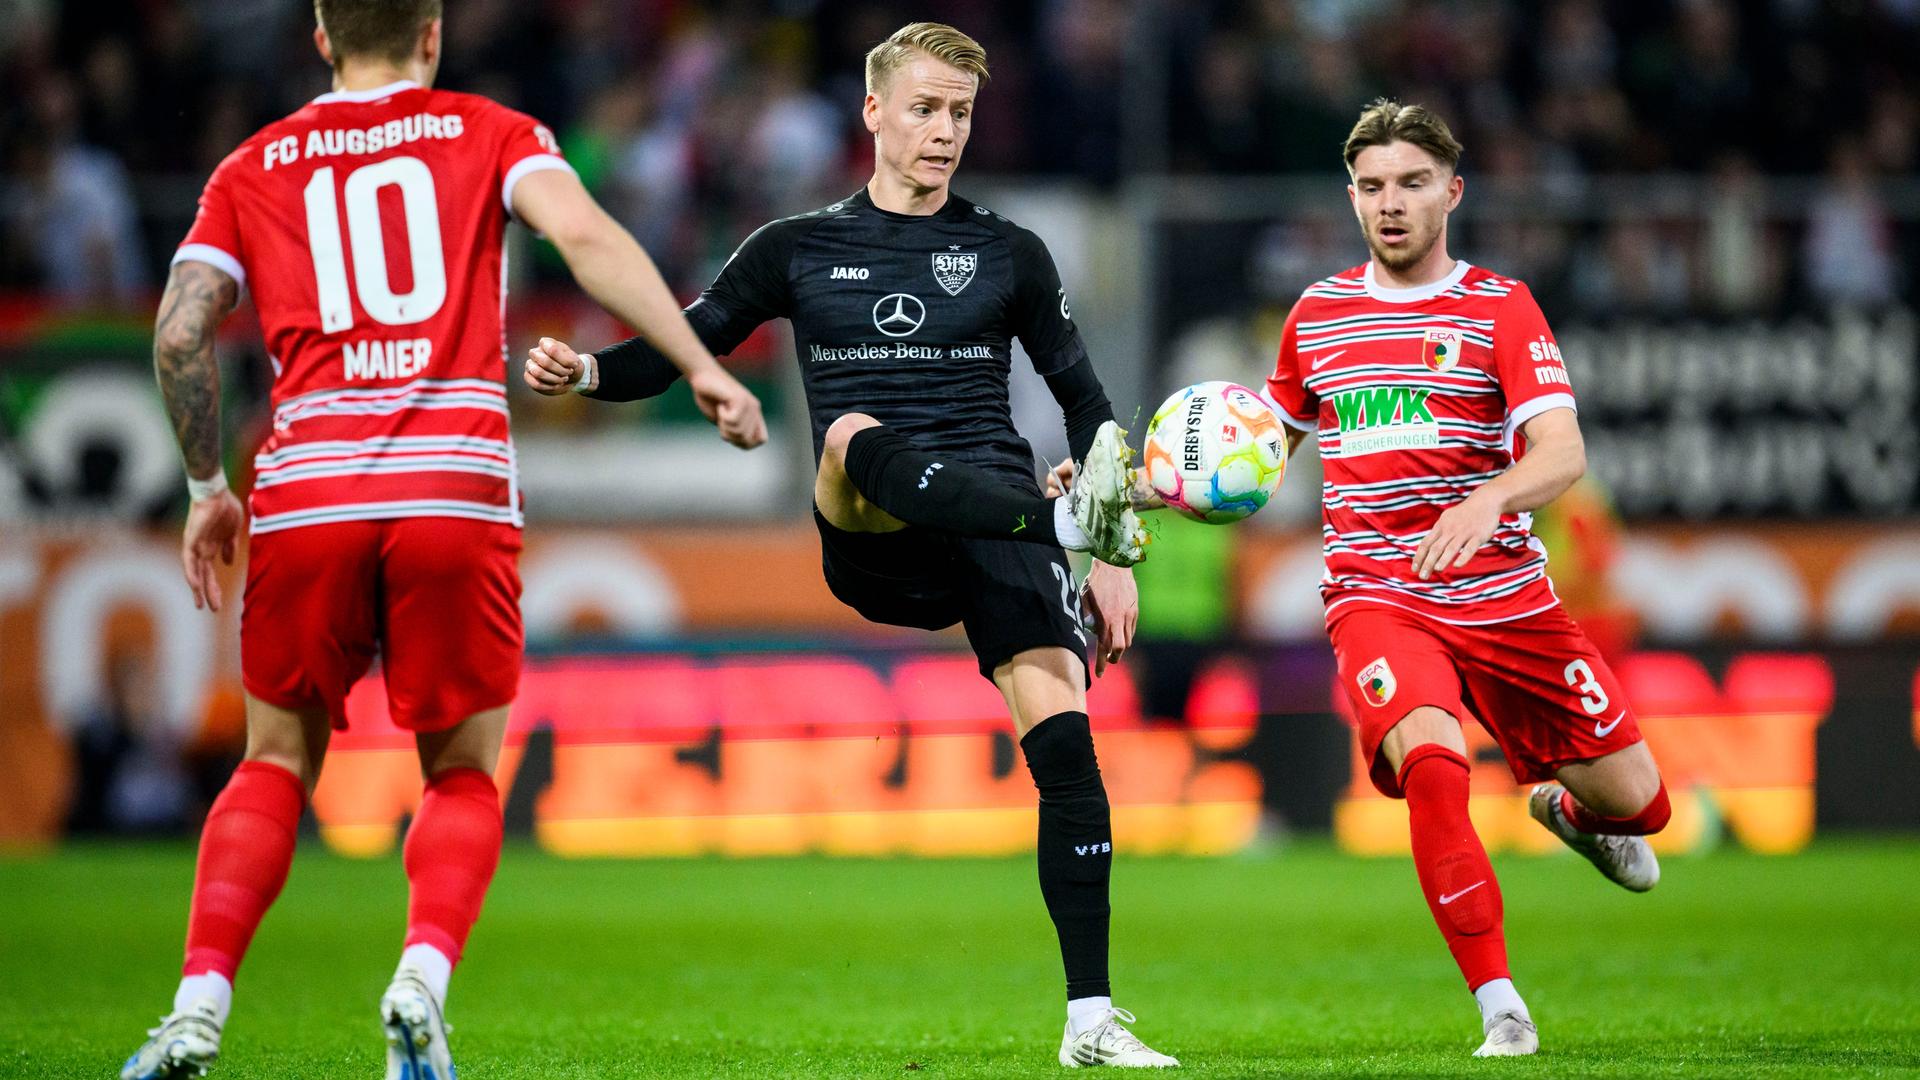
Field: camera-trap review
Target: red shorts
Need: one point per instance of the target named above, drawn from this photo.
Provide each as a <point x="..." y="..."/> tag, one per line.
<point x="438" y="599"/>
<point x="1536" y="684"/>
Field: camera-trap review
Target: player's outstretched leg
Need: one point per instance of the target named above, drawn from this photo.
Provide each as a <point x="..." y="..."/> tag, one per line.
<point x="246" y="849"/>
<point x="1456" y="876"/>
<point x="867" y="467"/>
<point x="452" y="850"/>
<point x="1074" y="851"/>
<point x="1617" y="782"/>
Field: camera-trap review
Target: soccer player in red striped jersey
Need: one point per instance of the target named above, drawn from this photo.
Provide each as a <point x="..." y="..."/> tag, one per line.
<point x="1445" y="418"/>
<point x="385" y="511"/>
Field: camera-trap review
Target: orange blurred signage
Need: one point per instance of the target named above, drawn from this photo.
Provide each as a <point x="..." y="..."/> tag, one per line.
<point x="784" y="755"/>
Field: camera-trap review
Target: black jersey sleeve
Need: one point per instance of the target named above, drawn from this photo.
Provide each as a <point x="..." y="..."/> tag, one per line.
<point x="750" y="289"/>
<point x="1041" y="318"/>
<point x="631" y="371"/>
<point x="1083" y="404"/>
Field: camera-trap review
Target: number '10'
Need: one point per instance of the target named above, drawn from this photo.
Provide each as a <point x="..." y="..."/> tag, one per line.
<point x="369" y="245"/>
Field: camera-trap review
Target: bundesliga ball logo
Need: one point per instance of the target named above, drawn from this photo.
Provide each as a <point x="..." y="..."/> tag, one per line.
<point x="1215" y="452"/>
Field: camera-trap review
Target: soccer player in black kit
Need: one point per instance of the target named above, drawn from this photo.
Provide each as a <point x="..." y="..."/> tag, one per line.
<point x="904" y="300"/>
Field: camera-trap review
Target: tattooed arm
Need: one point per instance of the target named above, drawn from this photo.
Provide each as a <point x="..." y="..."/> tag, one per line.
<point x="198" y="297"/>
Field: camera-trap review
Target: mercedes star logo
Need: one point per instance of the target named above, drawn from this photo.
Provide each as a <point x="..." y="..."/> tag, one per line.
<point x="898" y="314"/>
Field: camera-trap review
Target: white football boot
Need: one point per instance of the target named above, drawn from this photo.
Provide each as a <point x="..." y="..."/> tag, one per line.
<point x="416" y="1030"/>
<point x="185" y="1044"/>
<point x="1107" y="1043"/>
<point x="1509" y="1034"/>
<point x="1627" y="861"/>
<point x="1101" y="499"/>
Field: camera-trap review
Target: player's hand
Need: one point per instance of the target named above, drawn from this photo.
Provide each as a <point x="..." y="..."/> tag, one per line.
<point x="730" y="406"/>
<point x="1143" y="495"/>
<point x="553" y="367"/>
<point x="1060" y="479"/>
<point x="1461" y="530"/>
<point x="1111" y="599"/>
<point x="213" y="530"/>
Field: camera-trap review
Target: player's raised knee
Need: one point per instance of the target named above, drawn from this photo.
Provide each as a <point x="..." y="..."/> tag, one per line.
<point x="842" y="431"/>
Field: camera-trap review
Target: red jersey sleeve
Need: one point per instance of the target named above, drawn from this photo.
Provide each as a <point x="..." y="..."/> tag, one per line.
<point x="1299" y="407"/>
<point x="1527" y="361"/>
<point x="526" y="146"/>
<point x="214" y="237"/>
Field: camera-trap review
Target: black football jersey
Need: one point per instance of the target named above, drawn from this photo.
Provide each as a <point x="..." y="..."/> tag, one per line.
<point x="909" y="319"/>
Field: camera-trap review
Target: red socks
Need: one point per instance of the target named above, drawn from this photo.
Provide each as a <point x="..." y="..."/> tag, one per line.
<point x="451" y="852"/>
<point x="246" y="847"/>
<point x="247" y="844"/>
<point x="1651" y="818"/>
<point x="1454" y="872"/>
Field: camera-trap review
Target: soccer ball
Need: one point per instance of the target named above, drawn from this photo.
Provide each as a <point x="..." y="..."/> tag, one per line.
<point x="1215" y="452"/>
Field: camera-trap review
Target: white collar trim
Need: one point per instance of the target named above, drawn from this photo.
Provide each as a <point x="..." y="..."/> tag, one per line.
<point x="367" y="95"/>
<point x="1417" y="292"/>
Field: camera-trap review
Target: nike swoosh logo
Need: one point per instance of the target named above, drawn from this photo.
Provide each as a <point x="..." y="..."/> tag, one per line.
<point x="1445" y="900"/>
<point x="1321" y="361"/>
<point x="1604" y="730"/>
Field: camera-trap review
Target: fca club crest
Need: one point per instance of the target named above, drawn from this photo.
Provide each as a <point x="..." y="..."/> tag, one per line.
<point x="954" y="270"/>
<point x="1440" y="350"/>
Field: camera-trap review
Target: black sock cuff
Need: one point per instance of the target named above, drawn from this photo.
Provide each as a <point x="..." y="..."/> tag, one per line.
<point x="1060" y="749"/>
<point x="867" y="454"/>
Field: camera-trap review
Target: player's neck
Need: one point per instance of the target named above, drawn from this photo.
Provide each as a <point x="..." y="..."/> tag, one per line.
<point x="353" y="76"/>
<point x="895" y="196"/>
<point x="1437" y="265"/>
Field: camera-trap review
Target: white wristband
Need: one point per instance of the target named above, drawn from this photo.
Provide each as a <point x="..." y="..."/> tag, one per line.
<point x="206" y="489"/>
<point x="589" y="378"/>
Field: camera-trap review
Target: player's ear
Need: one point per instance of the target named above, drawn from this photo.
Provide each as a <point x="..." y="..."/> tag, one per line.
<point x="870" y="114"/>
<point x="1456" y="187"/>
<point x="429" y="49"/>
<point x="321" y="43"/>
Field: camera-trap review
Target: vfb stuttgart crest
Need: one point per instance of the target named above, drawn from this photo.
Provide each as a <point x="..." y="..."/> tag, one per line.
<point x="953" y="270"/>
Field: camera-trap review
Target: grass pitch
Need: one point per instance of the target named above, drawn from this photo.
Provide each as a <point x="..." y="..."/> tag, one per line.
<point x="1302" y="963"/>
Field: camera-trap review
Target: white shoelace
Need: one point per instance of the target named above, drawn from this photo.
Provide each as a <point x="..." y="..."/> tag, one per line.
<point x="1118" y="1036"/>
<point x="170" y="1018"/>
<point x="1506" y="1034"/>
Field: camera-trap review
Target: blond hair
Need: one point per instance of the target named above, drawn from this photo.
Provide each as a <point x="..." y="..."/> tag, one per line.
<point x="1385" y="120"/>
<point x="938" y="40"/>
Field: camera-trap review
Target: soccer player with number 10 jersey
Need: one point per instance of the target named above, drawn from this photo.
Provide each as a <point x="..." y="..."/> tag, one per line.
<point x="385" y="509"/>
<point x="1445" y="418"/>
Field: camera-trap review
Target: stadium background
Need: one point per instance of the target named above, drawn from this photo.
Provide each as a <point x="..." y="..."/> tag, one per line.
<point x="1715" y="202"/>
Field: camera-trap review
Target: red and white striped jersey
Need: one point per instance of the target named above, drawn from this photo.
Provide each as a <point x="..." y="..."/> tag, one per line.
<point x="1417" y="397"/>
<point x="369" y="227"/>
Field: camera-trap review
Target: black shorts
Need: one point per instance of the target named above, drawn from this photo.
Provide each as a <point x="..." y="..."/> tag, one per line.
<point x="1010" y="596"/>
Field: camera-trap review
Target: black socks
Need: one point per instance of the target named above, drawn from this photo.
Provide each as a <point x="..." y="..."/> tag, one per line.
<point x="1076" y="846"/>
<point x="936" y="492"/>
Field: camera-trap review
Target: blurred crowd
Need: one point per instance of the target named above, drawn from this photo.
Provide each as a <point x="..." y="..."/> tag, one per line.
<point x="696" y="121"/>
<point x="1785" y="117"/>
